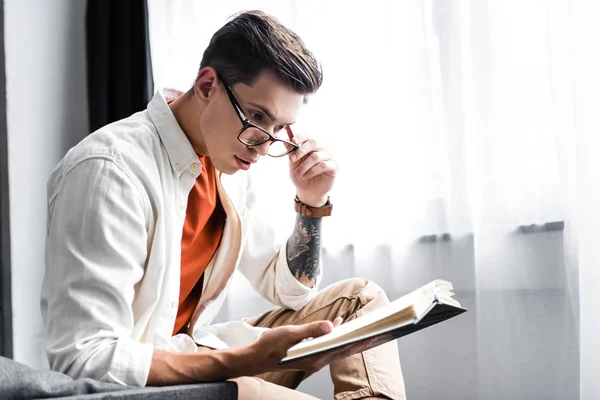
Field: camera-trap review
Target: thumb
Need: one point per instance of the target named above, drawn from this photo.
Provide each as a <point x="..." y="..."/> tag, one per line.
<point x="313" y="329"/>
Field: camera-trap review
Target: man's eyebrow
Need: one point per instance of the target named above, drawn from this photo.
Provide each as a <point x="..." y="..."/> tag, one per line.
<point x="267" y="112"/>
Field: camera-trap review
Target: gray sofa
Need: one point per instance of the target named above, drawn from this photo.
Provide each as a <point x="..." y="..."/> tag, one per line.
<point x="18" y="381"/>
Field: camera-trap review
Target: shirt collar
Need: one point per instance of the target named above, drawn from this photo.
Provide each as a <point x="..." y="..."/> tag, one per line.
<point x="179" y="149"/>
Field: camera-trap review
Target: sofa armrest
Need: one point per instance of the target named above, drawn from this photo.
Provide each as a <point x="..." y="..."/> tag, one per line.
<point x="198" y="391"/>
<point x="18" y="381"/>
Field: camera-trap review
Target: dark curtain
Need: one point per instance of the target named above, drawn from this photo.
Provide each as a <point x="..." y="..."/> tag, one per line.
<point x="119" y="70"/>
<point x="6" y="325"/>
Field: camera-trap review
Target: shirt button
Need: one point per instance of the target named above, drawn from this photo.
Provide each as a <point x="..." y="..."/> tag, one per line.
<point x="195" y="167"/>
<point x="177" y="166"/>
<point x="181" y="207"/>
<point x="174" y="304"/>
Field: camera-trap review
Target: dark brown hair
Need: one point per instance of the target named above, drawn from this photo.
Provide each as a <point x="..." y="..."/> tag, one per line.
<point x="253" y="42"/>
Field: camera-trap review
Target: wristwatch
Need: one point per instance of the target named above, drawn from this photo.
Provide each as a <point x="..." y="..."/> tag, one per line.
<point x="314" y="212"/>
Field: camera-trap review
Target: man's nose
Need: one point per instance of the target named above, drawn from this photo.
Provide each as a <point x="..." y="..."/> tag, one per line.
<point x="263" y="149"/>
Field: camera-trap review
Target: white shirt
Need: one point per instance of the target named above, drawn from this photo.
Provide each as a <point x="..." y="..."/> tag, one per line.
<point x="116" y="207"/>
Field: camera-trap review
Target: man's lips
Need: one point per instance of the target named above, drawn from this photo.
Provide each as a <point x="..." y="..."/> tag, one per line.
<point x="250" y="161"/>
<point x="243" y="163"/>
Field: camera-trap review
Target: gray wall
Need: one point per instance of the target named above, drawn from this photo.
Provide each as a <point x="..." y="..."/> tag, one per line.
<point x="47" y="114"/>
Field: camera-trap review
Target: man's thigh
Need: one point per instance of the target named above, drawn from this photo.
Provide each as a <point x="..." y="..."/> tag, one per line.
<point x="253" y="388"/>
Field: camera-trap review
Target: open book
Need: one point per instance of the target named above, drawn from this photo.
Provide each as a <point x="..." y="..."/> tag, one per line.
<point x="419" y="309"/>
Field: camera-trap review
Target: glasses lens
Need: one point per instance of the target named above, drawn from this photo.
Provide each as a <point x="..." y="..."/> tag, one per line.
<point x="278" y="149"/>
<point x="253" y="136"/>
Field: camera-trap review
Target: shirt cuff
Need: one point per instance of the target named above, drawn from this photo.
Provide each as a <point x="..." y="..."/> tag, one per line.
<point x="131" y="363"/>
<point x="207" y="336"/>
<point x="181" y="343"/>
<point x="228" y="334"/>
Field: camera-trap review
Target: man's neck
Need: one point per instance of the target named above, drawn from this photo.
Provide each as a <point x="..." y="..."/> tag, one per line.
<point x="187" y="113"/>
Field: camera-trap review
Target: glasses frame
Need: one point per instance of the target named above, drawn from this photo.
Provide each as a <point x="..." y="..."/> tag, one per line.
<point x="247" y="124"/>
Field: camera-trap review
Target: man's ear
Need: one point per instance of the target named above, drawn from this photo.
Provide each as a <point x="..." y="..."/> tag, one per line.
<point x="206" y="83"/>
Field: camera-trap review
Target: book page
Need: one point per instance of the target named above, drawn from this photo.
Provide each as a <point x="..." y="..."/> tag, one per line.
<point x="360" y="322"/>
<point x="414" y="303"/>
<point x="405" y="317"/>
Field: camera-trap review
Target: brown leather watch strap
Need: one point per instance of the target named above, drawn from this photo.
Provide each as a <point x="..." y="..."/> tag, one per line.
<point x="314" y="212"/>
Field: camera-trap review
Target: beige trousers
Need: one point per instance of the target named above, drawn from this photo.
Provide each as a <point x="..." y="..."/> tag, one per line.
<point x="375" y="372"/>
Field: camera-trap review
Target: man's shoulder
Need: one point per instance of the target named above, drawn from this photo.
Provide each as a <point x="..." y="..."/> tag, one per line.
<point x="132" y="144"/>
<point x="129" y="142"/>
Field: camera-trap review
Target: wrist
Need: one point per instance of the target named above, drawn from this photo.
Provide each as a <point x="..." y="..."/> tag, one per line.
<point x="234" y="363"/>
<point x="312" y="201"/>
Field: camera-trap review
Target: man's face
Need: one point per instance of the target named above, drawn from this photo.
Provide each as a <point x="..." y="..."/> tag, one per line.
<point x="268" y="103"/>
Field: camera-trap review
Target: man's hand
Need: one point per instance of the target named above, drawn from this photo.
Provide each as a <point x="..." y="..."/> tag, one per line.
<point x="312" y="170"/>
<point x="315" y="363"/>
<point x="266" y="354"/>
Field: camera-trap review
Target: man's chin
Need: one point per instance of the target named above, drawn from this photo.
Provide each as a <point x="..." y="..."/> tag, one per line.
<point x="230" y="172"/>
<point x="227" y="169"/>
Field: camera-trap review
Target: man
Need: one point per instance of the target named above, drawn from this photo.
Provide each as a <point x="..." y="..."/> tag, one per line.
<point x="149" y="217"/>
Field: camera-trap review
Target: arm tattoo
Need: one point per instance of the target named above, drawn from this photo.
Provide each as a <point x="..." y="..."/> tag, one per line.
<point x="304" y="248"/>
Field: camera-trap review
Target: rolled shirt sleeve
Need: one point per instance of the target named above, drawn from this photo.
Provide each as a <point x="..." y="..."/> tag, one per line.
<point x="95" y="254"/>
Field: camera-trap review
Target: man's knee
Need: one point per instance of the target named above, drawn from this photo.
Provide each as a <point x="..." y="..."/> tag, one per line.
<point x="373" y="293"/>
<point x="363" y="289"/>
<point x="249" y="387"/>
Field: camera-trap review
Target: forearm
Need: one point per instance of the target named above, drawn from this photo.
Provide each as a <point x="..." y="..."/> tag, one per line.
<point x="206" y="365"/>
<point x="304" y="250"/>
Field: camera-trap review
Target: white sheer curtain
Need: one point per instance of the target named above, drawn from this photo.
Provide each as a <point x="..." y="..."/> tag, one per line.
<point x="466" y="133"/>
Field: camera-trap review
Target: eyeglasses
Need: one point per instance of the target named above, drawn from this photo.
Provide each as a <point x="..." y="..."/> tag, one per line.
<point x="253" y="135"/>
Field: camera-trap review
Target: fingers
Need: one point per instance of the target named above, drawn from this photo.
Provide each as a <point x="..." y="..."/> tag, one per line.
<point x="310" y="160"/>
<point x="307" y="146"/>
<point x="313" y="329"/>
<point x="328" y="167"/>
<point x="343" y="352"/>
<point x="313" y="164"/>
<point x="290" y="134"/>
<point x="316" y="329"/>
<point x="336" y="322"/>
